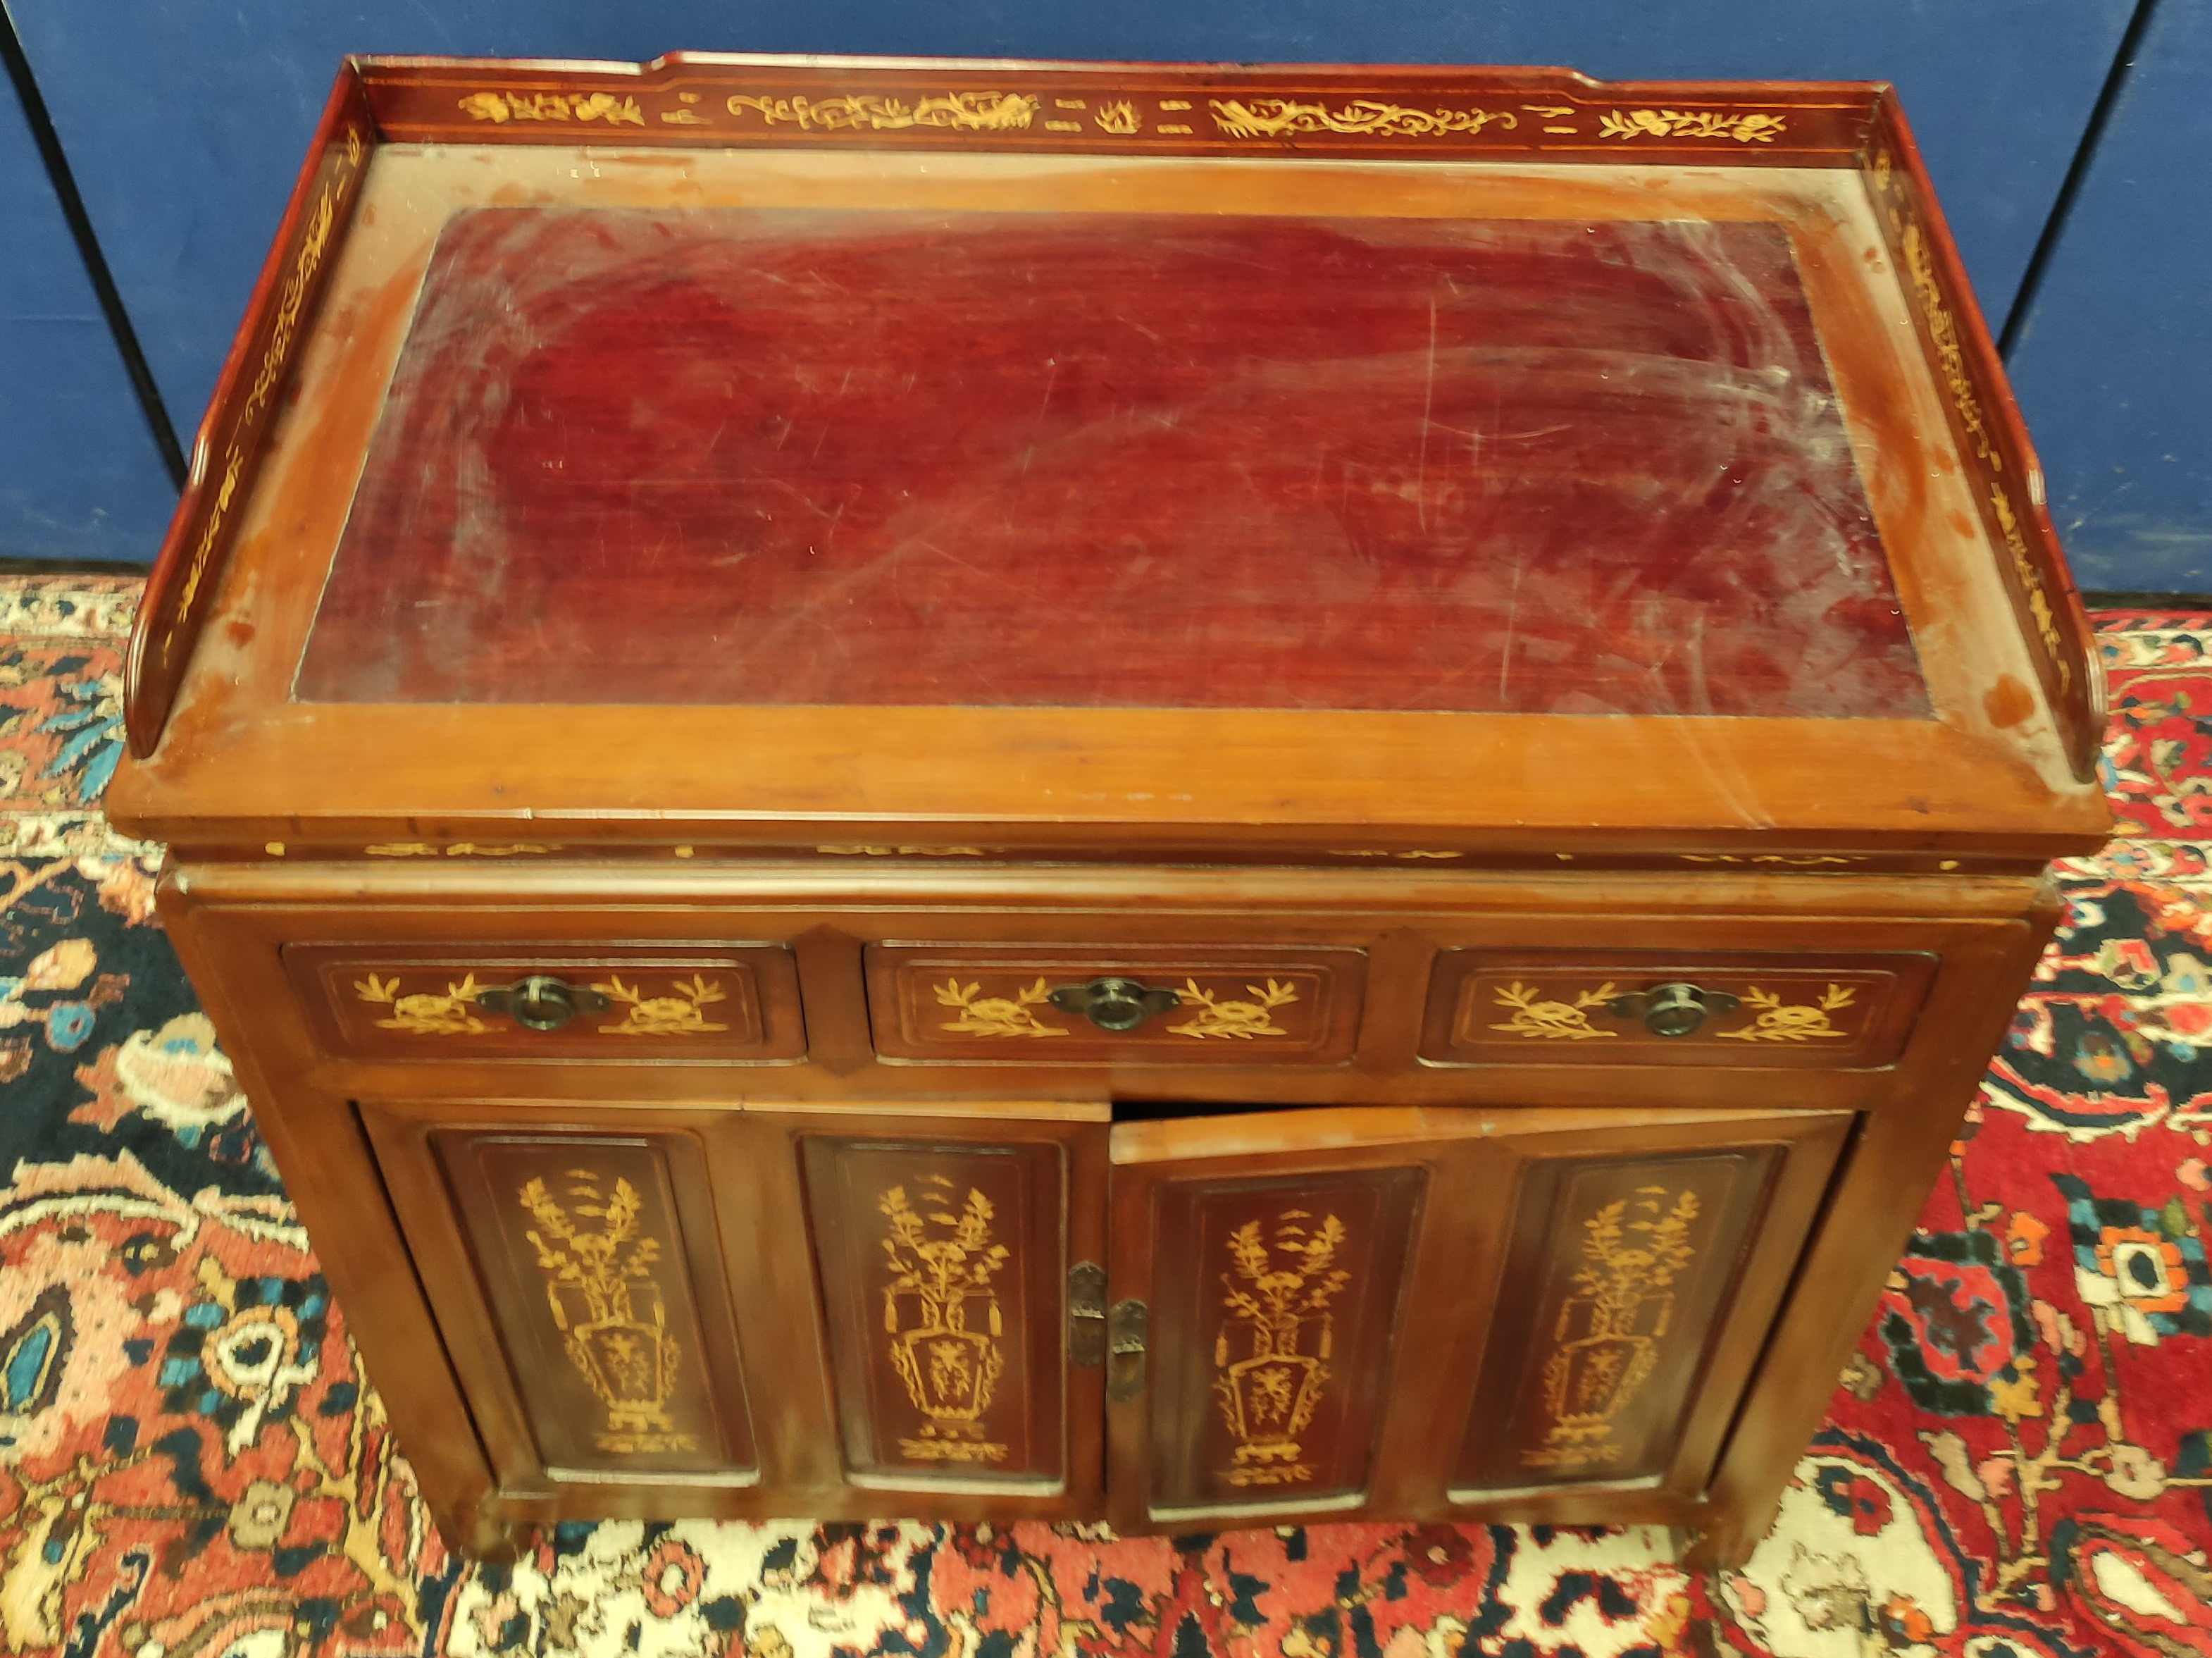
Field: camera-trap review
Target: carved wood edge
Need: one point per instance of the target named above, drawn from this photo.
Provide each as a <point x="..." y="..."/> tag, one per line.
<point x="712" y="99"/>
<point x="233" y="435"/>
<point x="2003" y="473"/>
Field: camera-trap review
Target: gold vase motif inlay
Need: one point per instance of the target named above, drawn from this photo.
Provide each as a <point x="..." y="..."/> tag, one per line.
<point x="943" y="1317"/>
<point x="1271" y="1353"/>
<point x="1606" y="1338"/>
<point x="600" y="1282"/>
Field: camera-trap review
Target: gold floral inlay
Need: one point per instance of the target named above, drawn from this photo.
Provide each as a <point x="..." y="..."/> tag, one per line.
<point x="681" y="1013"/>
<point x="995" y="1016"/>
<point x="1781" y="1022"/>
<point x="962" y="112"/>
<point x="1118" y="118"/>
<point x="425" y="1012"/>
<point x="1753" y="127"/>
<point x="291" y="306"/>
<point x="1790" y="859"/>
<point x="1278" y="117"/>
<point x="1606" y="1338"/>
<point x="459" y="848"/>
<point x="1539" y="1019"/>
<point x="501" y="107"/>
<point x="1950" y="347"/>
<point x="1245" y="1020"/>
<point x="2031" y="582"/>
<point x="608" y="1307"/>
<point x="1280" y="1327"/>
<point x="943" y="1317"/>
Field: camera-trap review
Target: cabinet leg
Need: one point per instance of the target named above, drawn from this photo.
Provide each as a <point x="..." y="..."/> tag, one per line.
<point x="1721" y="1547"/>
<point x="485" y="1539"/>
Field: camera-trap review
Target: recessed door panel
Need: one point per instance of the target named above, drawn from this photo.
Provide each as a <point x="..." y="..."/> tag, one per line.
<point x="943" y="1281"/>
<point x="1273" y="1345"/>
<point x="1616" y="1275"/>
<point x="600" y="1266"/>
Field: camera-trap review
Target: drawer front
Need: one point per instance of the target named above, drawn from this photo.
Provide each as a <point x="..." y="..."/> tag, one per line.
<point x="1500" y="1006"/>
<point x="392" y="1001"/>
<point x="1028" y="1005"/>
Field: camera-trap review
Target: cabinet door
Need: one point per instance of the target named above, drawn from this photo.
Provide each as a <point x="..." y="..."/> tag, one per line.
<point x="577" y="1271"/>
<point x="838" y="1311"/>
<point x="1415" y="1313"/>
<point x="956" y="1265"/>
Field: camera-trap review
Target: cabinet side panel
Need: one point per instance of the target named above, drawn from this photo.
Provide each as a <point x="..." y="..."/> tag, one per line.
<point x="603" y="1280"/>
<point x="941" y="1268"/>
<point x="1617" y="1276"/>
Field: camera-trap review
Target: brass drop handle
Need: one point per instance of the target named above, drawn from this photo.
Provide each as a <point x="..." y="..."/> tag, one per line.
<point x="1672" y="1009"/>
<point x="541" y="1002"/>
<point x="1125" y="1351"/>
<point x="1113" y="1004"/>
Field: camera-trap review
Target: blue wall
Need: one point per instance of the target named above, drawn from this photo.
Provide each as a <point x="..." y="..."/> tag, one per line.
<point x="184" y="124"/>
<point x="80" y="477"/>
<point x="2113" y="361"/>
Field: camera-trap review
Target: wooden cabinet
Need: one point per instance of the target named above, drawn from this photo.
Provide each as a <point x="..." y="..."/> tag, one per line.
<point x="1010" y="790"/>
<point x="1283" y="1313"/>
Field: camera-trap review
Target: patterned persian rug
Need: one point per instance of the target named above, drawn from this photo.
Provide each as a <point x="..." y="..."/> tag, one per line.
<point x="2018" y="1461"/>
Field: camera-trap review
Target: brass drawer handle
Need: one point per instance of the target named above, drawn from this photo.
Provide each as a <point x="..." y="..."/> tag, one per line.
<point x="1673" y="1009"/>
<point x="541" y="1002"/>
<point x="1115" y="1004"/>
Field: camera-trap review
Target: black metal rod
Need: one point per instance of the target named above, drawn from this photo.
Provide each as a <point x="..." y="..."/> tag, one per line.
<point x="88" y="246"/>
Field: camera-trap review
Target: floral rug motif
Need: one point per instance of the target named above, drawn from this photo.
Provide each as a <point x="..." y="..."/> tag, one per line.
<point x="2017" y="1464"/>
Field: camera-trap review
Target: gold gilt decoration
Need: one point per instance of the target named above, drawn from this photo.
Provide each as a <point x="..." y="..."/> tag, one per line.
<point x="2031" y="582"/>
<point x="1757" y="127"/>
<point x="682" y="1013"/>
<point x="291" y="306"/>
<point x="1244" y="1020"/>
<point x="1277" y="1298"/>
<point x="962" y="112"/>
<point x="1780" y="1021"/>
<point x="459" y="848"/>
<point x="425" y="1012"/>
<point x="499" y="107"/>
<point x="1792" y="860"/>
<point x="1950" y="349"/>
<point x="608" y="1308"/>
<point x="1542" y="1020"/>
<point x="995" y="1016"/>
<point x="1118" y="118"/>
<point x="1606" y="1340"/>
<point x="1281" y="117"/>
<point x="943" y="1317"/>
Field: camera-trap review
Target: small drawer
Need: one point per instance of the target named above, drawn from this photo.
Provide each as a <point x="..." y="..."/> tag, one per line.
<point x="1155" y="1004"/>
<point x="1497" y="1006"/>
<point x="733" y="1001"/>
